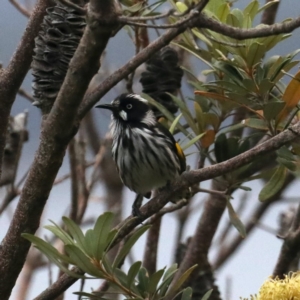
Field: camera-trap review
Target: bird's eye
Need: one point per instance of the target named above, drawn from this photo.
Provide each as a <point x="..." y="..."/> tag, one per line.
<point x="129" y="106"/>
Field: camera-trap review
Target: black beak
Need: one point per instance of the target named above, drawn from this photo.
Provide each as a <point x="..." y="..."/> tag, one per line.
<point x="107" y="106"/>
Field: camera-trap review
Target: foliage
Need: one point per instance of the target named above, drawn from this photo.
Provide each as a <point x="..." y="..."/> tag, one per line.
<point x="89" y="253"/>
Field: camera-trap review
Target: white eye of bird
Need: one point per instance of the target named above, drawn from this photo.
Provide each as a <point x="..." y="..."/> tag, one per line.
<point x="129" y="106"/>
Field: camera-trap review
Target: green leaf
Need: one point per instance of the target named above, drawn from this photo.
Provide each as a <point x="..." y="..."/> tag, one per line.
<point x="46" y="248"/>
<point x="272" y="109"/>
<point x="199" y="117"/>
<point x="102" y="231"/>
<point x="207" y="295"/>
<point x="274" y="184"/>
<point x="75" y="232"/>
<point x="232" y="20"/>
<point x="285" y="152"/>
<point x="143" y="279"/>
<point x="193" y="141"/>
<point x="154" y="280"/>
<point x="132" y="272"/>
<point x="185" y="112"/>
<point x="121" y="276"/>
<point x="223" y="11"/>
<point x="177" y="285"/>
<point x="80" y="260"/>
<point x="287" y="163"/>
<point x="256" y="52"/>
<point x="129" y="244"/>
<point x="167" y="278"/>
<point x="60" y="233"/>
<point x="256" y="124"/>
<point x="267" y="5"/>
<point x="221" y="150"/>
<point x="174" y="124"/>
<point x="251" y="9"/>
<point x="52" y="254"/>
<point x="165" y="112"/>
<point x="187" y="293"/>
<point x="235" y="221"/>
<point x="90" y="242"/>
<point x="239" y="15"/>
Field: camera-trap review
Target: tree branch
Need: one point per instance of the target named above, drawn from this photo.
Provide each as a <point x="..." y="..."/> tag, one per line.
<point x="242" y="34"/>
<point x="57" y="130"/>
<point x="12" y="77"/>
<point x="187" y="179"/>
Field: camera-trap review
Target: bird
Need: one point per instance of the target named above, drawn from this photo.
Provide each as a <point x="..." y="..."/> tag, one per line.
<point x="146" y="154"/>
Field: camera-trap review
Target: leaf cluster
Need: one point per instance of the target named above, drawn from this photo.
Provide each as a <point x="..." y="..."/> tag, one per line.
<point x="88" y="252"/>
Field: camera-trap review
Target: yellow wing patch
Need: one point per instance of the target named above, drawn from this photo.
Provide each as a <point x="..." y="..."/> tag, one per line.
<point x="181" y="157"/>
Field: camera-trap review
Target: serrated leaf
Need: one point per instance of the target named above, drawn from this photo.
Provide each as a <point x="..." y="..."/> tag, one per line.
<point x="207" y="295"/>
<point x="101" y="231"/>
<point x="132" y="272"/>
<point x="174" y="124"/>
<point x="187" y="293"/>
<point x="235" y="221"/>
<point x="177" y="285"/>
<point x="128" y="245"/>
<point x="75" y="232"/>
<point x="274" y="185"/>
<point x="82" y="261"/>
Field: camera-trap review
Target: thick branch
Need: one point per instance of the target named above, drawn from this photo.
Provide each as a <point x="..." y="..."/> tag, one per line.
<point x="190" y="178"/>
<point x="95" y="95"/>
<point x="58" y="129"/>
<point x="290" y="248"/>
<point x="12" y="77"/>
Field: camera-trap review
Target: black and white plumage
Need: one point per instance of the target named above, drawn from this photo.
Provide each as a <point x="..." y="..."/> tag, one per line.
<point x="146" y="154"/>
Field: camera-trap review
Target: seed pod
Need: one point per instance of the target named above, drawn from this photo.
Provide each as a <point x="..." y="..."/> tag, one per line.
<point x="163" y="75"/>
<point x="62" y="29"/>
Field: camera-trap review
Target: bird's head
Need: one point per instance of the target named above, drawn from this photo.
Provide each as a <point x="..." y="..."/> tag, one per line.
<point x="131" y="108"/>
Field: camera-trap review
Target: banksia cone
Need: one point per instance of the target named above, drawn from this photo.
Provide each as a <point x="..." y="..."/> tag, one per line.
<point x="55" y="45"/>
<point x="163" y="75"/>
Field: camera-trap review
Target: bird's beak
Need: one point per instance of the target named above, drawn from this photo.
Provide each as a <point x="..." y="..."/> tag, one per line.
<point x="107" y="106"/>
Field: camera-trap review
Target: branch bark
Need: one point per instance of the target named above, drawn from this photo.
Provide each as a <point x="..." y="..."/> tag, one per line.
<point x="57" y="130"/>
<point x="187" y="179"/>
<point x="13" y="75"/>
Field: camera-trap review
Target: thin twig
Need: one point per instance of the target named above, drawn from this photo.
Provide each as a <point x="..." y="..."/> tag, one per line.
<point x="20" y="8"/>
